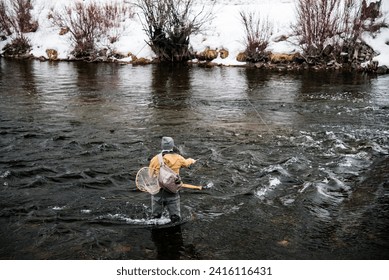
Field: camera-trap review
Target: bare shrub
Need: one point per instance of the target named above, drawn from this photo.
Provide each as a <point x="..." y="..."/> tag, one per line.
<point x="327" y="28"/>
<point x="257" y="32"/>
<point x="317" y="20"/>
<point x="5" y="22"/>
<point x="169" y="24"/>
<point x="91" y="23"/>
<point x="373" y="17"/>
<point x="24" y="20"/>
<point x="15" y="20"/>
<point x="370" y="11"/>
<point x="15" y="17"/>
<point x="18" y="46"/>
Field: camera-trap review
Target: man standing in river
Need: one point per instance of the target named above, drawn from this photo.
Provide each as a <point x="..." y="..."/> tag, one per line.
<point x="164" y="197"/>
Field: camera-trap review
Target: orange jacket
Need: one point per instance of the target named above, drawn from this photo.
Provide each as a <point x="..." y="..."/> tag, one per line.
<point x="174" y="161"/>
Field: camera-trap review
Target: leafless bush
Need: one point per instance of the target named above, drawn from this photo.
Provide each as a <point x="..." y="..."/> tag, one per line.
<point x="15" y="20"/>
<point x="5" y="25"/>
<point x="18" y="46"/>
<point x="373" y="17"/>
<point x="327" y="27"/>
<point x="24" y="20"/>
<point x="91" y="23"/>
<point x="15" y="17"/>
<point x="169" y="25"/>
<point x="350" y="24"/>
<point x="317" y="21"/>
<point x="258" y="32"/>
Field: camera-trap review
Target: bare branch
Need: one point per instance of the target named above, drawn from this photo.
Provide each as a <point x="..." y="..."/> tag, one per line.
<point x="258" y="32"/>
<point x="88" y="23"/>
<point x="324" y="25"/>
<point x="15" y="17"/>
<point x="169" y="24"/>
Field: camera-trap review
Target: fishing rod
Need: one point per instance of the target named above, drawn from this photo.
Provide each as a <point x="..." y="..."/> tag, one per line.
<point x="238" y="143"/>
<point x="204" y="159"/>
<point x="259" y="116"/>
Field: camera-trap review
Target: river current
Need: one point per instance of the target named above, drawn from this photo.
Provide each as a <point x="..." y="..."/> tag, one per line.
<point x="295" y="165"/>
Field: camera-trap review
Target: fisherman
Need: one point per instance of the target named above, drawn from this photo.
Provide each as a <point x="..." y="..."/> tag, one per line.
<point x="165" y="198"/>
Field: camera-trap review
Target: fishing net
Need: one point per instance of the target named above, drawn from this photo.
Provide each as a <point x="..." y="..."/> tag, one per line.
<point x="146" y="181"/>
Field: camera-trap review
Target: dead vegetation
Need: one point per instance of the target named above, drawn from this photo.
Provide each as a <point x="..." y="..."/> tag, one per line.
<point x="330" y="29"/>
<point x="257" y="35"/>
<point x="169" y="24"/>
<point x="92" y="26"/>
<point x="15" y="20"/>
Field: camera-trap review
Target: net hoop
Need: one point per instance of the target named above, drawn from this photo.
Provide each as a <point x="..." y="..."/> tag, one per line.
<point x="146" y="182"/>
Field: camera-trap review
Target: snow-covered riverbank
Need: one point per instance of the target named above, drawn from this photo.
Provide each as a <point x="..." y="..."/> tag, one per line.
<point x="224" y="31"/>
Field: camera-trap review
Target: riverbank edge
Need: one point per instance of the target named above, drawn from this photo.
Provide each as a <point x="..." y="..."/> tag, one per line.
<point x="279" y="66"/>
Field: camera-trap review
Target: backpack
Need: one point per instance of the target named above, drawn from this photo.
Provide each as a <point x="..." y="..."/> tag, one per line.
<point x="167" y="178"/>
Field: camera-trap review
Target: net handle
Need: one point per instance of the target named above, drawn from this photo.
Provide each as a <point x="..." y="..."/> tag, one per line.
<point x="188" y="186"/>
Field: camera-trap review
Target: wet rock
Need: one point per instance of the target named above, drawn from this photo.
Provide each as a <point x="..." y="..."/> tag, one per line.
<point x="328" y="50"/>
<point x="381" y="70"/>
<point x="259" y="65"/>
<point x="281" y="68"/>
<point x="371" y="67"/>
<point x="118" y="55"/>
<point x="207" y="64"/>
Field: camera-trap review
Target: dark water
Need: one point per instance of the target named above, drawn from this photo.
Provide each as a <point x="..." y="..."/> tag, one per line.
<point x="296" y="164"/>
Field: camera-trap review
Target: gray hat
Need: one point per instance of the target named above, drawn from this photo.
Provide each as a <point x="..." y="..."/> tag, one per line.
<point x="167" y="143"/>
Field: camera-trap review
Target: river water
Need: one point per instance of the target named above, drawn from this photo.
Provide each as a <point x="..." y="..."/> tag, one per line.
<point x="295" y="165"/>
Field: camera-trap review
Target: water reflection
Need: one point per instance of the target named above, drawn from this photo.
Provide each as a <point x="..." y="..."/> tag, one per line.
<point x="170" y="89"/>
<point x="170" y="93"/>
<point x="20" y="87"/>
<point x="271" y="96"/>
<point x="339" y="96"/>
<point x="168" y="242"/>
<point x="90" y="89"/>
<point x="218" y="99"/>
<point x="171" y="86"/>
<point x="27" y="77"/>
<point x="334" y="85"/>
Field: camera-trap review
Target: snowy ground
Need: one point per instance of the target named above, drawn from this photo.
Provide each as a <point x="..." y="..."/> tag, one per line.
<point x="225" y="30"/>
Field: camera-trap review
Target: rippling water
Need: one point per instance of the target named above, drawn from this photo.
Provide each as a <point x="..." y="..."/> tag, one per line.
<point x="295" y="164"/>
